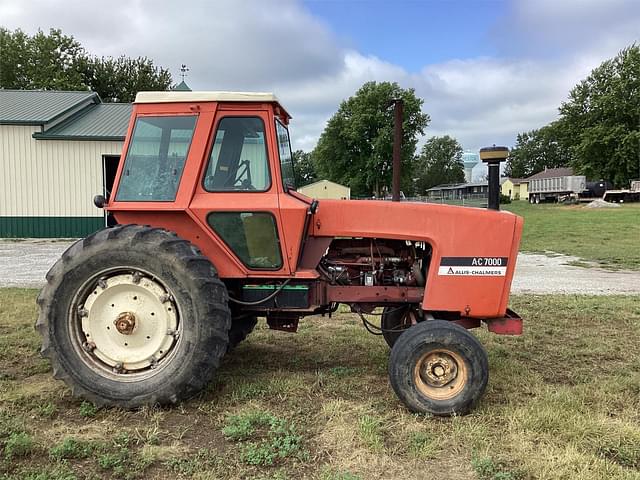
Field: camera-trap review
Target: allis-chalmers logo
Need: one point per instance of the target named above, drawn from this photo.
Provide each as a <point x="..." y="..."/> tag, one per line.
<point x="474" y="266"/>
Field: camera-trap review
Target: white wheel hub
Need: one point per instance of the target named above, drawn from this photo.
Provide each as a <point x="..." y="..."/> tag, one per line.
<point x="130" y="322"/>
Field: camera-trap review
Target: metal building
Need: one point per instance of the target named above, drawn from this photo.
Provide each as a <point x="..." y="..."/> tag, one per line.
<point x="57" y="150"/>
<point x="326" y="189"/>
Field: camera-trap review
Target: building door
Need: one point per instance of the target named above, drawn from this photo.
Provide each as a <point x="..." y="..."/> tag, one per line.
<point x="109" y="170"/>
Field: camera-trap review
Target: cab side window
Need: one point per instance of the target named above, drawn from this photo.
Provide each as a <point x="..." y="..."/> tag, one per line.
<point x="253" y="237"/>
<point x="238" y="160"/>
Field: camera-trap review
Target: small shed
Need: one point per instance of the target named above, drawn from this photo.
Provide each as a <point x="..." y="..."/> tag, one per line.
<point x="57" y="150"/>
<point x="326" y="189"/>
<point x="514" y="188"/>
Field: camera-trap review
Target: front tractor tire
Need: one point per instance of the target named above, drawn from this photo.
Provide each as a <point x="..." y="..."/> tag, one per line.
<point x="438" y="367"/>
<point x="134" y="316"/>
<point x="241" y="327"/>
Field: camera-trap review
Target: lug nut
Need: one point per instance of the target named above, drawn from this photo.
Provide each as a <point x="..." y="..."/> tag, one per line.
<point x="166" y="298"/>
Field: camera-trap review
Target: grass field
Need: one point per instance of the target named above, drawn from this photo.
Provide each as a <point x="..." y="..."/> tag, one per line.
<point x="608" y="236"/>
<point x="563" y="402"/>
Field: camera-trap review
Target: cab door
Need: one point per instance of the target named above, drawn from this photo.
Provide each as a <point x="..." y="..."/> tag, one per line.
<point x="237" y="198"/>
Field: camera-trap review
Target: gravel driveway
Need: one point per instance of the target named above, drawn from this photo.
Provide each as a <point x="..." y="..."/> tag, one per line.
<point x="25" y="263"/>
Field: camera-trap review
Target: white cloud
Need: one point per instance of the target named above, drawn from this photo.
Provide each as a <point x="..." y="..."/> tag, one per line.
<point x="545" y="48"/>
<point x="566" y="28"/>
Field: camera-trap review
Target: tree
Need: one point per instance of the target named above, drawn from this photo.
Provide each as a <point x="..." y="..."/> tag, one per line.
<point x="538" y="149"/>
<point x="440" y="162"/>
<point x="118" y="80"/>
<point x="55" y="61"/>
<point x="602" y="119"/>
<point x="356" y="146"/>
<point x="41" y="61"/>
<point x="304" y="170"/>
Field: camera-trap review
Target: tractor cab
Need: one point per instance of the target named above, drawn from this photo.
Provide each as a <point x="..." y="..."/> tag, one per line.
<point x="224" y="160"/>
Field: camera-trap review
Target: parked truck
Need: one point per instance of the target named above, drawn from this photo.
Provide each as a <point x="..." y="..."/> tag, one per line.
<point x="549" y="187"/>
<point x="631" y="194"/>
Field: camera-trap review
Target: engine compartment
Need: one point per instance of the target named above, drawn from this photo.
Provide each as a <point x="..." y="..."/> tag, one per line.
<point x="372" y="262"/>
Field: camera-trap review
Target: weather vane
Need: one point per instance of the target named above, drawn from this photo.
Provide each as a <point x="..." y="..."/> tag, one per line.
<point x="183" y="71"/>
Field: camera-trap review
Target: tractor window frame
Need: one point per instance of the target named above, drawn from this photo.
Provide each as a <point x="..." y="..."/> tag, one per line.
<point x="212" y="141"/>
<point x="278" y="243"/>
<point x="291" y="185"/>
<point x="126" y="162"/>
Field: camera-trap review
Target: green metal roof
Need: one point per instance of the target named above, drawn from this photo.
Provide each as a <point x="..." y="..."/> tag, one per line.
<point x="181" y="87"/>
<point x="38" y="107"/>
<point x="104" y="121"/>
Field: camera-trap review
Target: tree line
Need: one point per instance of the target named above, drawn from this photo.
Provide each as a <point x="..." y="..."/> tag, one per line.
<point x="55" y="61"/>
<point x="598" y="129"/>
<point x="597" y="132"/>
<point x="356" y="146"/>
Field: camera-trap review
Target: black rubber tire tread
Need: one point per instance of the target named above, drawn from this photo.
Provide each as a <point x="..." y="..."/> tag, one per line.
<point x="200" y="295"/>
<point x="240" y="329"/>
<point x="391" y="319"/>
<point x="430" y="335"/>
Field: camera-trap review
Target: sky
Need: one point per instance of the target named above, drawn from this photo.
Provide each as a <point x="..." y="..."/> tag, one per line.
<point x="486" y="69"/>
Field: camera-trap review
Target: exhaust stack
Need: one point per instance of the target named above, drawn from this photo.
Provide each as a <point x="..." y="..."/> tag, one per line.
<point x="398" y="104"/>
<point x="493" y="156"/>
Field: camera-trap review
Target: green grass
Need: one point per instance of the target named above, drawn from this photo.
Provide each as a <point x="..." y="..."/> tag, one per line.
<point x="88" y="410"/>
<point x="563" y="402"/>
<point x="18" y="444"/>
<point x="607" y="236"/>
<point x="72" y="448"/>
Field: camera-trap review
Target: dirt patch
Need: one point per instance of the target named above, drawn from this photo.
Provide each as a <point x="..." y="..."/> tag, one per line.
<point x="599" y="203"/>
<point x="25" y="263"/>
<point x="553" y="273"/>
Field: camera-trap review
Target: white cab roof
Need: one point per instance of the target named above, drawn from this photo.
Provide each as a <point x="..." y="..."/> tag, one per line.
<point x="169" y="97"/>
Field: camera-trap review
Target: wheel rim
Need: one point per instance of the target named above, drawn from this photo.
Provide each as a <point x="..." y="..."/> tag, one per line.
<point x="440" y="374"/>
<point x="125" y="323"/>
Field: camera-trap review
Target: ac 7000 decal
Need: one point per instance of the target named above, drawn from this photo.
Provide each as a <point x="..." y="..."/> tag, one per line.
<point x="473" y="266"/>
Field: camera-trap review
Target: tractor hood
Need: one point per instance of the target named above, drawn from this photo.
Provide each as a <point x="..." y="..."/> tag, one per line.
<point x="473" y="249"/>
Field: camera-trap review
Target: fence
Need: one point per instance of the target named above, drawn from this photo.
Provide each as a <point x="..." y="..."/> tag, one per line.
<point x="478" y="201"/>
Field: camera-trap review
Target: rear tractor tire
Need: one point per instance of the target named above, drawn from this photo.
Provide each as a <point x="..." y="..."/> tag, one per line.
<point x="438" y="367"/>
<point x="134" y="316"/>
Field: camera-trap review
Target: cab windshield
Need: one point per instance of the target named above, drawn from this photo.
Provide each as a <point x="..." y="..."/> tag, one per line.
<point x="286" y="157"/>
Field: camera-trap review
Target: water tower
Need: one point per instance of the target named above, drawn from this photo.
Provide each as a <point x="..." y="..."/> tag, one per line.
<point x="470" y="160"/>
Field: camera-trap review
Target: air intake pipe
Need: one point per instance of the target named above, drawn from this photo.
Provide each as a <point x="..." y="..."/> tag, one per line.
<point x="493" y="156"/>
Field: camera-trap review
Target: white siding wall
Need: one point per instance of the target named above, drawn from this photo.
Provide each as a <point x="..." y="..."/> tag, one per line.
<point x="50" y="177"/>
<point x="326" y="189"/>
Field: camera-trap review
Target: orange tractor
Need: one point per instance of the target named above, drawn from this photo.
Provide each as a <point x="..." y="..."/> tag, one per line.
<point x="212" y="234"/>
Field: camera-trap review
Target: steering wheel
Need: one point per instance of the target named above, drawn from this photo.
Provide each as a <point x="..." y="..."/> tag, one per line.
<point x="243" y="169"/>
